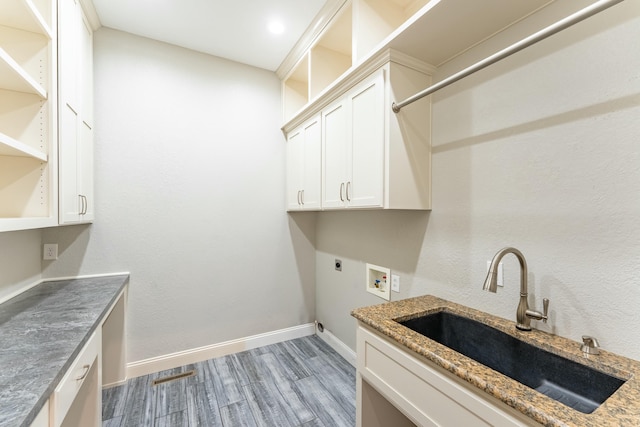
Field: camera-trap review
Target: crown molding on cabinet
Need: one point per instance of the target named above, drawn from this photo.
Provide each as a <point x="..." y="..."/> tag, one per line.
<point x="90" y="12"/>
<point x="353" y="76"/>
<point x="317" y="26"/>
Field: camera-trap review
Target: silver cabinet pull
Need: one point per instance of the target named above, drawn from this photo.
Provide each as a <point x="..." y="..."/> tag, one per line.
<point x="302" y="197"/>
<point x="341" y="191"/>
<point x="83" y="204"/>
<point x="348" y="185"/>
<point x="298" y="197"/>
<point x="84" y="374"/>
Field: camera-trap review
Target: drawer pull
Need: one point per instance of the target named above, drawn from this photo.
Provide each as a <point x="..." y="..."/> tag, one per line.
<point x="84" y="374"/>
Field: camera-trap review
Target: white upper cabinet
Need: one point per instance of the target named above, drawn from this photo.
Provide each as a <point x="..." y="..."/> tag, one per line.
<point x="28" y="111"/>
<point x="367" y="55"/>
<point x="373" y="158"/>
<point x="353" y="147"/>
<point x="303" y="167"/>
<point x="76" y="114"/>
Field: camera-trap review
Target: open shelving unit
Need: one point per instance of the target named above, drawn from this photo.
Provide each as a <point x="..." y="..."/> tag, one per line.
<point x="331" y="56"/>
<point x="430" y="31"/>
<point x="28" y="128"/>
<point x="296" y="87"/>
<point x="377" y="19"/>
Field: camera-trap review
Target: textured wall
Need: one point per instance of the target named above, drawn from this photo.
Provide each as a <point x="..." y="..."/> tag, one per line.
<point x="540" y="152"/>
<point x="190" y="199"/>
<point x="20" y="255"/>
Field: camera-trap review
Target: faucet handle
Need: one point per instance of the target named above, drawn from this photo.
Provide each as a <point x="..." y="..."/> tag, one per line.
<point x="589" y="345"/>
<point x="545" y="309"/>
<point x="533" y="314"/>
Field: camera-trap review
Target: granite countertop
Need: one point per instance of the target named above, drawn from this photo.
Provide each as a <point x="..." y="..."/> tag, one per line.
<point x="621" y="409"/>
<point x="42" y="330"/>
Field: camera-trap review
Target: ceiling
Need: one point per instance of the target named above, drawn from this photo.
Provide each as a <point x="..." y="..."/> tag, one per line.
<point x="232" y="29"/>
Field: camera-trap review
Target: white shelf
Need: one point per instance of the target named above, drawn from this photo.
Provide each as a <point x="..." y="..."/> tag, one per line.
<point x="28" y="114"/>
<point x="375" y="20"/>
<point x="14" y="77"/>
<point x="296" y="88"/>
<point x="24" y="15"/>
<point x="331" y="56"/>
<point x="12" y="224"/>
<point x="443" y="29"/>
<point x="12" y="147"/>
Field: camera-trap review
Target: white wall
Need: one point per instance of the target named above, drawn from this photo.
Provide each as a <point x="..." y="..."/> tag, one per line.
<point x="540" y="152"/>
<point x="20" y="255"/>
<point x="190" y="199"/>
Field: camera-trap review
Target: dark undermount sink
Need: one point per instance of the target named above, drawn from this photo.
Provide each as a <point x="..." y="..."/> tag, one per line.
<point x="577" y="386"/>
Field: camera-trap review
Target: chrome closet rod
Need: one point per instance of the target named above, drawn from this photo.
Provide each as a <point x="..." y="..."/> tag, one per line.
<point x="567" y="22"/>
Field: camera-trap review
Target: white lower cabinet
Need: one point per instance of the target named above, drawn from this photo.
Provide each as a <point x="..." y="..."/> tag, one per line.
<point x="303" y="166"/>
<point x="397" y="388"/>
<point x="77" y="401"/>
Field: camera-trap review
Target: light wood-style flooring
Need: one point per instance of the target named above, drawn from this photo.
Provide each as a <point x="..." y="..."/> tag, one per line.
<point x="302" y="382"/>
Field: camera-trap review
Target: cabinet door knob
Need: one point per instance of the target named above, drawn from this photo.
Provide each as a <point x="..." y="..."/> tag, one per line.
<point x="302" y="197"/>
<point x="341" y="191"/>
<point x="348" y="185"/>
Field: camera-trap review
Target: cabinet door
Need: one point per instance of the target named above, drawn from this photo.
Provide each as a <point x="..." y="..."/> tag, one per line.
<point x="69" y="53"/>
<point x="311" y="175"/>
<point x="294" y="169"/>
<point x="334" y="155"/>
<point x="367" y="133"/>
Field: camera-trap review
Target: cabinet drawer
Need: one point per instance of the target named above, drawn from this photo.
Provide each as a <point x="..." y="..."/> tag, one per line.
<point x="428" y="395"/>
<point x="75" y="377"/>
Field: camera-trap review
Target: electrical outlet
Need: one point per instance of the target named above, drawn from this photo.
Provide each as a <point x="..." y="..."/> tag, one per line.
<point x="50" y="251"/>
<point x="500" y="273"/>
<point x="395" y="283"/>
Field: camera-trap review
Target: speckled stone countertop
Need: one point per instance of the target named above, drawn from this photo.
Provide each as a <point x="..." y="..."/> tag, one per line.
<point x="42" y="330"/>
<point x="621" y="409"/>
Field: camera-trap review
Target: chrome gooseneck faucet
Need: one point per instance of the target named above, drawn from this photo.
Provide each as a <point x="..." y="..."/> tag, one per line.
<point x="523" y="314"/>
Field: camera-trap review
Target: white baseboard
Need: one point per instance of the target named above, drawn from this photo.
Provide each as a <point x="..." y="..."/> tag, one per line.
<point x="114" y="384"/>
<point x="341" y="348"/>
<point x="181" y="358"/>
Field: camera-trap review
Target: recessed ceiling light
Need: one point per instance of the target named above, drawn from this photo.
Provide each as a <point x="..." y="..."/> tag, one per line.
<point x="276" y="27"/>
